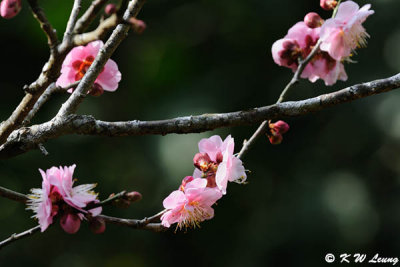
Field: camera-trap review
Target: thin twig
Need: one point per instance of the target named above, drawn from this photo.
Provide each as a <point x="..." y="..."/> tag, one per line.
<point x="45" y="25"/>
<point x="72" y="22"/>
<point x="15" y="237"/>
<point x="51" y="89"/>
<point x="133" y="223"/>
<point x="13" y="195"/>
<point x="107" y="201"/>
<point x="90" y="14"/>
<point x="295" y="79"/>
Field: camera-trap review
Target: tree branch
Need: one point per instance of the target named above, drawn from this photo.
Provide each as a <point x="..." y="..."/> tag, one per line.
<point x="87" y="18"/>
<point x="104" y="54"/>
<point x="295" y="79"/>
<point x="15" y="237"/>
<point x="25" y="139"/>
<point x="52" y="89"/>
<point x="72" y="22"/>
<point x="7" y="193"/>
<point x="51" y="34"/>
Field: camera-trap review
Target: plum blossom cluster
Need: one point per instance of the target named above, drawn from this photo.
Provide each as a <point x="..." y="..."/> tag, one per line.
<point x="215" y="166"/>
<point x="59" y="199"/>
<point x="339" y="36"/>
<point x="78" y="61"/>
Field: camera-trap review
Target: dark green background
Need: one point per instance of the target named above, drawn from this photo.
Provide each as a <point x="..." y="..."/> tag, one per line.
<point x="333" y="185"/>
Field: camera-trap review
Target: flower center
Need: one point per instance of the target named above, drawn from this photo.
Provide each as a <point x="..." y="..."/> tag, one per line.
<point x="82" y="66"/>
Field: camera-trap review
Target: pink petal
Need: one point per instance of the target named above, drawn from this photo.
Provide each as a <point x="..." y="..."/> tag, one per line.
<point x="196" y="183"/>
<point x="110" y="77"/>
<point x="347" y="10"/>
<point x="175" y="199"/>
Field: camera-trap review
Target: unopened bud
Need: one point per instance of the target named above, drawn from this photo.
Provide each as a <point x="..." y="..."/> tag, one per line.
<point x="275" y="139"/>
<point x="133" y="196"/>
<point x="10" y="8"/>
<point x="110" y="9"/>
<point x="97" y="225"/>
<point x="96" y="90"/>
<point x="138" y="25"/>
<point x="279" y="127"/>
<point x="70" y="223"/>
<point x="328" y="4"/>
<point x="313" y="20"/>
<point x="201" y="161"/>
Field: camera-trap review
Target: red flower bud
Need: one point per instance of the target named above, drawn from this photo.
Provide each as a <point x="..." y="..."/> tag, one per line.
<point x="280" y="127"/>
<point x="133" y="196"/>
<point x="110" y="9"/>
<point x="70" y="223"/>
<point x="275" y="139"/>
<point x="97" y="225"/>
<point x="96" y="90"/>
<point x="313" y="20"/>
<point x="138" y="25"/>
<point x="10" y="8"/>
<point x="328" y="4"/>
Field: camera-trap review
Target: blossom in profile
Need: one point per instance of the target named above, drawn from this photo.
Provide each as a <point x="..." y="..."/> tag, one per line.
<point x="217" y="164"/>
<point x="190" y="205"/>
<point x="341" y="35"/>
<point x="10" y="8"/>
<point x="78" y="61"/>
<point x="58" y="197"/>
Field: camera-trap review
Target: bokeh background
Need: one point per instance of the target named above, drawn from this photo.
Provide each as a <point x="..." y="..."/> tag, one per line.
<point x="332" y="186"/>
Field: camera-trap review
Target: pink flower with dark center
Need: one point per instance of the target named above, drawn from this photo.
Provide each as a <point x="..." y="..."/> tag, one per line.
<point x="78" y="61"/>
<point x="341" y="35"/>
<point x="190" y="207"/>
<point x="57" y="196"/>
<point x="10" y="8"/>
<point x="217" y="163"/>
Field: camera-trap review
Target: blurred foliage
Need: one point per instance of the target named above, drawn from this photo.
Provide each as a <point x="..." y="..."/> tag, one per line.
<point x="333" y="185"/>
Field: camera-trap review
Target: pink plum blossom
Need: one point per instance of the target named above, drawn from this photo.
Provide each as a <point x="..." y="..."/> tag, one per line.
<point x="58" y="196"/>
<point x="10" y="8"/>
<point x="341" y="35"/>
<point x="298" y="43"/>
<point x="78" y="61"/>
<point x="190" y="206"/>
<point x="217" y="163"/>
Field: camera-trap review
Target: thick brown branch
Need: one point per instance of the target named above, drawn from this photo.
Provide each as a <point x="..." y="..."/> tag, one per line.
<point x="26" y="139"/>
